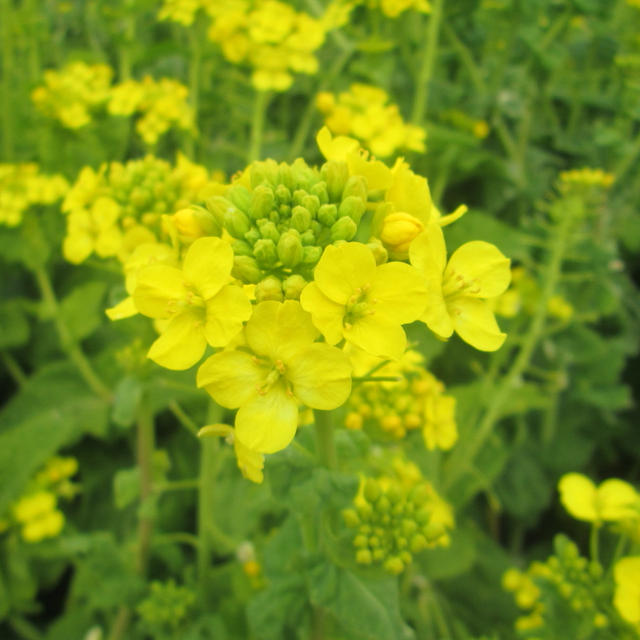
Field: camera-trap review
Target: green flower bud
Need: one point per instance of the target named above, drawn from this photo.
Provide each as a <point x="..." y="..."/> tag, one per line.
<point x="283" y="195"/>
<point x="290" y="248"/>
<point x="327" y="214"/>
<point x="311" y="255"/>
<point x="236" y="222"/>
<point x="353" y="207"/>
<point x="293" y="286"/>
<point x="246" y="268"/>
<point x="356" y="186"/>
<point x="319" y="190"/>
<point x="378" y="555"/>
<point x="284" y="211"/>
<point x="363" y="556"/>
<point x="343" y="229"/>
<point x="268" y="230"/>
<point x="393" y="494"/>
<point x="383" y="505"/>
<point x="262" y="202"/>
<point x="365" y="511"/>
<point x="365" y="529"/>
<point x="405" y="556"/>
<point x="419" y="494"/>
<point x="274" y="216"/>
<point x="300" y="219"/>
<point x="394" y="565"/>
<point x="240" y="196"/>
<point x="423" y="515"/>
<point x="433" y="531"/>
<point x="408" y="526"/>
<point x="335" y="174"/>
<point x="266" y="171"/>
<point x="297" y="197"/>
<point x="285" y="176"/>
<point x="252" y="236"/>
<point x="218" y="205"/>
<point x="303" y="175"/>
<point x="418" y="543"/>
<point x="374" y="542"/>
<point x="265" y="253"/>
<point x="241" y="248"/>
<point x="371" y="490"/>
<point x="311" y="203"/>
<point x="360" y="541"/>
<point x="308" y="237"/>
<point x="269" y="289"/>
<point x="350" y="517"/>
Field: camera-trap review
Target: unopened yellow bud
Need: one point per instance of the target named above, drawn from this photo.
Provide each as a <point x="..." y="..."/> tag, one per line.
<point x="394" y="565"/>
<point x="398" y="231"/>
<point x="353" y="421"/>
<point x="363" y="556"/>
<point x="195" y="223"/>
<point x="251" y="568"/>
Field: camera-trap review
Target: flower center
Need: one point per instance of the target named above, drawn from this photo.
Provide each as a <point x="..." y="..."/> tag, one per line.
<point x="274" y="376"/>
<point x="455" y="284"/>
<point x="358" y="306"/>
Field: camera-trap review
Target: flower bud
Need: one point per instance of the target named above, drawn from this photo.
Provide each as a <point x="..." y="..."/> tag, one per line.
<point x="241" y="248"/>
<point x="262" y="202"/>
<point x="269" y="230"/>
<point x="266" y="171"/>
<point x="311" y="255"/>
<point x="300" y="218"/>
<point x="283" y="194"/>
<point x="353" y="207"/>
<point x="371" y="490"/>
<point x="319" y="190"/>
<point x="269" y="289"/>
<point x="308" y="237"/>
<point x="398" y="231"/>
<point x="252" y="236"/>
<point x="218" y="206"/>
<point x="265" y="253"/>
<point x="379" y="252"/>
<point x="350" y="518"/>
<point x="363" y="556"/>
<point x="335" y="175"/>
<point x="382" y="504"/>
<point x="327" y="214"/>
<point x="311" y="203"/>
<point x="290" y="249"/>
<point x="343" y="229"/>
<point x="285" y="176"/>
<point x="298" y="195"/>
<point x="356" y="186"/>
<point x="418" y="543"/>
<point x="195" y="222"/>
<point x="394" y="565"/>
<point x="240" y="196"/>
<point x="246" y="268"/>
<point x="293" y="286"/>
<point x="236" y="222"/>
<point x="360" y="541"/>
<point x="433" y="531"/>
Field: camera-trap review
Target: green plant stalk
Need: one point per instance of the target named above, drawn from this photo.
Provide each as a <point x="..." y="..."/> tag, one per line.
<point x="208" y="455"/>
<point x="466" y="58"/>
<point x="594" y="540"/>
<point x="257" y="124"/>
<point x="463" y="456"/>
<point x="67" y="342"/>
<point x="25" y="629"/>
<point x="183" y="418"/>
<point x="7" y="71"/>
<point x="14" y="369"/>
<point x="325" y="445"/>
<point x="145" y="445"/>
<point x="429" y="54"/>
<point x="195" y="72"/>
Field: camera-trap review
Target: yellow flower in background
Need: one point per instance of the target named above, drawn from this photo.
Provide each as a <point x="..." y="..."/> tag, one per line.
<point x="38" y="516"/>
<point x="198" y="301"/>
<point x="281" y="368"/>
<point x="440" y="430"/>
<point x="458" y="289"/>
<point x="626" y="599"/>
<point x="353" y="298"/>
<point x="614" y="500"/>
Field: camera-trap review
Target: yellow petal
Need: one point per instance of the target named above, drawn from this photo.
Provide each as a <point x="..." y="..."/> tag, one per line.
<point x="219" y="429"/>
<point x="399" y="291"/>
<point x="181" y="344"/>
<point x="321" y="377"/>
<point x="617" y="500"/>
<point x="409" y="192"/>
<point x="483" y="264"/>
<point x="250" y="462"/>
<point x="225" y="313"/>
<point x="475" y="323"/>
<point x="344" y="268"/>
<point x="335" y="148"/>
<point x="231" y="378"/>
<point x="577" y="494"/>
<point x="377" y="336"/>
<point x="268" y="423"/>
<point x="428" y="252"/>
<point x="124" y="309"/>
<point x="376" y="173"/>
<point x="279" y="330"/>
<point x="626" y="601"/>
<point x="158" y="290"/>
<point x="327" y="315"/>
<point x="627" y="571"/>
<point x="207" y="265"/>
<point x="77" y="247"/>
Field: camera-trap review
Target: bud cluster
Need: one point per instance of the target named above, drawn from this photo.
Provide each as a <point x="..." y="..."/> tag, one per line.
<point x="282" y="216"/>
<point x="166" y="608"/>
<point x="396" y="517"/>
<point x="21" y="186"/>
<point x="416" y="401"/>
<point x="36" y="513"/>
<point x="113" y="210"/>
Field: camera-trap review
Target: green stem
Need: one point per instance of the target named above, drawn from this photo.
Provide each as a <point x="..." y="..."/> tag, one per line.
<point x="144" y="453"/>
<point x="14" y="369"/>
<point x="463" y="456"/>
<point x="180" y="537"/>
<point x="257" y="124"/>
<point x="67" y="341"/>
<point x="429" y="55"/>
<point x="195" y="72"/>
<point x="120" y="624"/>
<point x="594" y="539"/>
<point x="325" y="445"/>
<point x="6" y="25"/>
<point x="466" y="58"/>
<point x="25" y="629"/>
<point x="376" y="379"/>
<point x="177" y="485"/>
<point x="183" y="418"/>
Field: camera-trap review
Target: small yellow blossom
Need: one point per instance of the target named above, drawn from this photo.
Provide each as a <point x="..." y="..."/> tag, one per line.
<point x="626" y="599"/>
<point x="365" y="304"/>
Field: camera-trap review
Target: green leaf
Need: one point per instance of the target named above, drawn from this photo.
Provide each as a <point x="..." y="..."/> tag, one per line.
<point x="446" y="562"/>
<point x="82" y="309"/>
<point x="126" y="487"/>
<point x="364" y="610"/>
<point x="126" y="400"/>
<point x="14" y="328"/>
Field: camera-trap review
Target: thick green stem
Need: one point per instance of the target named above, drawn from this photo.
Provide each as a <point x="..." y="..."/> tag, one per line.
<point x="67" y="341"/>
<point x="594" y="543"/>
<point x="144" y="453"/>
<point x="429" y="55"/>
<point x="183" y="418"/>
<point x="463" y="456"/>
<point x="325" y="446"/>
<point x="208" y="454"/>
<point x="6" y="94"/>
<point x="14" y="369"/>
<point x="257" y="124"/>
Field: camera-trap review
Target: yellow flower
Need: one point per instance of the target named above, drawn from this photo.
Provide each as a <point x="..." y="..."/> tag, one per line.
<point x="440" y="428"/>
<point x="281" y="368"/>
<point x="614" y="500"/>
<point x="48" y="525"/>
<point x="626" y="599"/>
<point x="457" y="289"/>
<point x="365" y="304"/>
<point x="200" y="304"/>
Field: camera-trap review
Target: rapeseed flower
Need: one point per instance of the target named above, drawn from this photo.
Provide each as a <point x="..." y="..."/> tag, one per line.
<point x="626" y="600"/>
<point x="353" y="298"/>
<point x="199" y="302"/>
<point x="280" y="367"/>
<point x="458" y="289"/>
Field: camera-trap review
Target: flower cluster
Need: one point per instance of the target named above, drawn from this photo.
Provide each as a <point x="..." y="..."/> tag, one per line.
<point x="393" y="8"/>
<point x="396" y="516"/>
<point x="36" y="513"/>
<point x="71" y="94"/>
<point x="21" y="186"/>
<point x="120" y="206"/>
<point x="166" y="608"/>
<point x="365" y="113"/>
<point x="162" y="103"/>
<point x="415" y="401"/>
<point x="270" y="36"/>
<point x="587" y="177"/>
